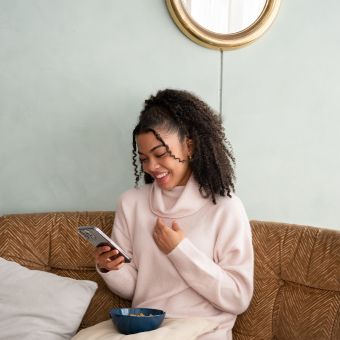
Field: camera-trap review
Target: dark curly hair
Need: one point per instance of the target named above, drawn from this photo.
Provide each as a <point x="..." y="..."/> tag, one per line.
<point x="179" y="111"/>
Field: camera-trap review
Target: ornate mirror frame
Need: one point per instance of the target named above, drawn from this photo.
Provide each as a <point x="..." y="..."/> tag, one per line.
<point x="218" y="41"/>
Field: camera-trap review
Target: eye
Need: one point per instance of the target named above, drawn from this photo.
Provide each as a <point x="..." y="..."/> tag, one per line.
<point x="161" y="155"/>
<point x="143" y="160"/>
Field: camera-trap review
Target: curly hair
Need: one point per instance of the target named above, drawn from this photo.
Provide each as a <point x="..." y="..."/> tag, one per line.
<point x="182" y="112"/>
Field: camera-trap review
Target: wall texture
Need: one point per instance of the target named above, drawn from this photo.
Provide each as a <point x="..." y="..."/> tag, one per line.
<point x="281" y="105"/>
<point x="74" y="74"/>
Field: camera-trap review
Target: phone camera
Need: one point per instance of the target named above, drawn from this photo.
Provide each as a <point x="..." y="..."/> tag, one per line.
<point x="88" y="235"/>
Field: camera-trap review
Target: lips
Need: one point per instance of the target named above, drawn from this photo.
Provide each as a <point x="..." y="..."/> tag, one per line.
<point x="161" y="178"/>
<point x="161" y="175"/>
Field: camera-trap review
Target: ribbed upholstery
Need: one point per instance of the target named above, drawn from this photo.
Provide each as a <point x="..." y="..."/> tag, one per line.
<point x="297" y="271"/>
<point x="297" y="284"/>
<point x="50" y="242"/>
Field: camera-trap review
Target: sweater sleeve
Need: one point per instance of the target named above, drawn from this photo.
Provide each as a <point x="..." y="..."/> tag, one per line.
<point x="227" y="280"/>
<point x="123" y="281"/>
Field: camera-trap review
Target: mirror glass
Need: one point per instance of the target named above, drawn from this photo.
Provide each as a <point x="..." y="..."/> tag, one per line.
<point x="224" y="16"/>
<point x="223" y="24"/>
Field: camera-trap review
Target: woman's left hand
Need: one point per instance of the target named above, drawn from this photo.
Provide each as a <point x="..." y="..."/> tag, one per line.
<point x="167" y="238"/>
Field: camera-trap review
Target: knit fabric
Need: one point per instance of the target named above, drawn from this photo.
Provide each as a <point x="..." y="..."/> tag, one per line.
<point x="209" y="274"/>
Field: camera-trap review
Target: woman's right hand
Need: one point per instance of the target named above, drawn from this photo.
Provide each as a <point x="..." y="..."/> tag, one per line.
<point x="108" y="259"/>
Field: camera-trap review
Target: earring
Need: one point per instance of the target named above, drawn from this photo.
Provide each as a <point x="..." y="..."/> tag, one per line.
<point x="190" y="158"/>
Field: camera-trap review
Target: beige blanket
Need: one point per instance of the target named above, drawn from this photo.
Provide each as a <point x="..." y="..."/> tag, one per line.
<point x="179" y="329"/>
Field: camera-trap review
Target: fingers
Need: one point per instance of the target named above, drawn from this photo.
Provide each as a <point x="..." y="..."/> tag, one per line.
<point x="159" y="224"/>
<point x="103" y="249"/>
<point x="160" y="230"/>
<point x="161" y="227"/>
<point x="108" y="259"/>
<point x="175" y="226"/>
<point x="114" y="262"/>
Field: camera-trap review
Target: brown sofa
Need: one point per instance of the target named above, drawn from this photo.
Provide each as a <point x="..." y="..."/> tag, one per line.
<point x="297" y="271"/>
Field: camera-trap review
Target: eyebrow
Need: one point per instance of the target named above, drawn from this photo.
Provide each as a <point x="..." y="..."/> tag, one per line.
<point x="153" y="149"/>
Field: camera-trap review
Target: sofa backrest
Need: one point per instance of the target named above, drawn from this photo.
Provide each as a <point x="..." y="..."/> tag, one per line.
<point x="50" y="242"/>
<point x="297" y="284"/>
<point x="297" y="271"/>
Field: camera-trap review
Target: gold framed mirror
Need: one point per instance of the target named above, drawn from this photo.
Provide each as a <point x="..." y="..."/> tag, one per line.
<point x="223" y="24"/>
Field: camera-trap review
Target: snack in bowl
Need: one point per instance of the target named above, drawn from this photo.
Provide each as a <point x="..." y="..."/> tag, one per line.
<point x="136" y="320"/>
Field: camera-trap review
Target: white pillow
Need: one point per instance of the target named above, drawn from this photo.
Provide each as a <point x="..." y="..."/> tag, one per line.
<point x="39" y="305"/>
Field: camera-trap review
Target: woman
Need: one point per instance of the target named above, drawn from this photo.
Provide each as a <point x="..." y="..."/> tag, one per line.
<point x="187" y="232"/>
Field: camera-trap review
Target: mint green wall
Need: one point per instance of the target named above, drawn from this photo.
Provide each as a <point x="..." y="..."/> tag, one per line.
<point x="74" y="74"/>
<point x="281" y="103"/>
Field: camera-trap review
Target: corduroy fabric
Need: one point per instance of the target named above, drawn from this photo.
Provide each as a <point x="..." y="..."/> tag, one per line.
<point x="297" y="271"/>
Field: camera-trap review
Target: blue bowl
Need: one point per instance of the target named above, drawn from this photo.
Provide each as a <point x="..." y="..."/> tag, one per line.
<point x="136" y="320"/>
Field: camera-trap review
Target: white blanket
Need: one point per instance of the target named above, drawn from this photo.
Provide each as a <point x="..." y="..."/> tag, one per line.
<point x="179" y="329"/>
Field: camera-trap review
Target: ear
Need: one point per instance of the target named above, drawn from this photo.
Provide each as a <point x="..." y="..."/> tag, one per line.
<point x="190" y="145"/>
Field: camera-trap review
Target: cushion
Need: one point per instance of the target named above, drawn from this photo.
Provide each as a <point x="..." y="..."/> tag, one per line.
<point x="40" y="305"/>
<point x="178" y="329"/>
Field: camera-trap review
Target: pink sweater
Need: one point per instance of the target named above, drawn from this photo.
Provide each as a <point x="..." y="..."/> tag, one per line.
<point x="209" y="274"/>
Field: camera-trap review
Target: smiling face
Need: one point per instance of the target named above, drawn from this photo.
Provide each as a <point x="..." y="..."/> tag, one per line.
<point x="167" y="171"/>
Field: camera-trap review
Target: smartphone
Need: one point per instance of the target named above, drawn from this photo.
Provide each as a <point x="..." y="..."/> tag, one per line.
<point x="98" y="238"/>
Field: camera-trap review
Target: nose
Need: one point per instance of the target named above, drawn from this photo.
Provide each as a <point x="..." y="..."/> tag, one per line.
<point x="152" y="165"/>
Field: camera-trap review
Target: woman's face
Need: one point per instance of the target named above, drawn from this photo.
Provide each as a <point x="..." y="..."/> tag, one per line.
<point x="157" y="162"/>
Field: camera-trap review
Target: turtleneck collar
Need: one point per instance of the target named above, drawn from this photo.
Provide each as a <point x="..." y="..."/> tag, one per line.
<point x="179" y="202"/>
